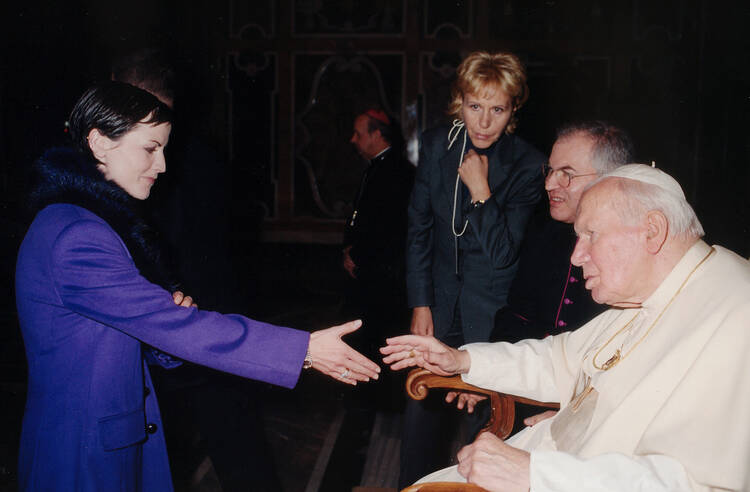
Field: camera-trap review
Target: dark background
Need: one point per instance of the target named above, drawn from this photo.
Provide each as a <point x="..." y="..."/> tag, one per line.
<point x="274" y="85"/>
<point x="273" y="88"/>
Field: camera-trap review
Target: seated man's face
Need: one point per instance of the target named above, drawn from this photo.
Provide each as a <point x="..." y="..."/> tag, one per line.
<point x="613" y="254"/>
<point x="571" y="156"/>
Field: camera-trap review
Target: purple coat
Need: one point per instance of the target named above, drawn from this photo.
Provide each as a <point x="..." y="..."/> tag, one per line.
<point x="92" y="420"/>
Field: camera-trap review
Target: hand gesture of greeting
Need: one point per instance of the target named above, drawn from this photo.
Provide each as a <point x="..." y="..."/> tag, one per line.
<point x="427" y="352"/>
<point x="333" y="357"/>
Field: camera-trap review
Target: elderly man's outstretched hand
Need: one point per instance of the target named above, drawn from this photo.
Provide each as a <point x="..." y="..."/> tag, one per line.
<point x="427" y="352"/>
<point x="494" y="465"/>
<point x="333" y="357"/>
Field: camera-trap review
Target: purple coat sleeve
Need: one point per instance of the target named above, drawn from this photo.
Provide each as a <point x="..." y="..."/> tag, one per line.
<point x="96" y="278"/>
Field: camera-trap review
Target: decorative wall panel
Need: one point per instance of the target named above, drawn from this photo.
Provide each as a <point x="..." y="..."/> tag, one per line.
<point x="254" y="19"/>
<point x="252" y="94"/>
<point x="447" y="19"/>
<point x="329" y="92"/>
<point x="640" y="64"/>
<point x="437" y="71"/>
<point x="552" y="19"/>
<point x="348" y="17"/>
<point x="656" y="20"/>
<point x="558" y="85"/>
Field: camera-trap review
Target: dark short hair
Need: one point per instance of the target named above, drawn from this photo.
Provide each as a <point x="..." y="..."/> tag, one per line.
<point x="150" y="69"/>
<point x="612" y="145"/>
<point x="114" y="108"/>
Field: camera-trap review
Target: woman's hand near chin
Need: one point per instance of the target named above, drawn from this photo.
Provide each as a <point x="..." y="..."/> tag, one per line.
<point x="474" y="172"/>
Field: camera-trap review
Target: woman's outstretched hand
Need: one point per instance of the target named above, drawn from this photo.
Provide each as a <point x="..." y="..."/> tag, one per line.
<point x="427" y="352"/>
<point x="334" y="358"/>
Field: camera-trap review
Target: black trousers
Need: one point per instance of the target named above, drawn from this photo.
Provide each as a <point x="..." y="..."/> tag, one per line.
<point x="431" y="426"/>
<point x="224" y="410"/>
<point x="379" y="300"/>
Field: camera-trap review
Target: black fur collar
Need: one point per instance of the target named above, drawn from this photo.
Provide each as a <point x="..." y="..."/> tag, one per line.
<point x="64" y="175"/>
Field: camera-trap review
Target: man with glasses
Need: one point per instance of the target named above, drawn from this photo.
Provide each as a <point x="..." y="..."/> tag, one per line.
<point x="652" y="391"/>
<point x="547" y="295"/>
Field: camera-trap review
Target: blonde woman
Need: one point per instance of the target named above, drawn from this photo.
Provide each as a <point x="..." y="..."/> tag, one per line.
<point x="475" y="189"/>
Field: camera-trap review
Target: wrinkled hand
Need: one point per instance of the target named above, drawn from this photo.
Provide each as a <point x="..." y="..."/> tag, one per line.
<point x="421" y="321"/>
<point x="468" y="400"/>
<point x="473" y="172"/>
<point x="182" y="300"/>
<point x="535" y="419"/>
<point x="348" y="263"/>
<point x="494" y="465"/>
<point x="426" y="352"/>
<point x="334" y="358"/>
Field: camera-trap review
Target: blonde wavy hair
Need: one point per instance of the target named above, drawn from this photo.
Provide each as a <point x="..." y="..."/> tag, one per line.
<point x="480" y="71"/>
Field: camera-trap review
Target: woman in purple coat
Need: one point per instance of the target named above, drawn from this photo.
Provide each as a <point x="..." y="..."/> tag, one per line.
<point x="93" y="304"/>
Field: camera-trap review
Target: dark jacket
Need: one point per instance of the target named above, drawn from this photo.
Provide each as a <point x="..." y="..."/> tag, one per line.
<point x="548" y="295"/>
<point x="486" y="255"/>
<point x="92" y="421"/>
<point x="377" y="233"/>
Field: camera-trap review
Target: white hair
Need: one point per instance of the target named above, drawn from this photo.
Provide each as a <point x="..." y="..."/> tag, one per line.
<point x="646" y="188"/>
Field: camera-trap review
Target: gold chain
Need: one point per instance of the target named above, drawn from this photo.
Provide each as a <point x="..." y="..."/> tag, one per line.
<point x="576" y="400"/>
<point x="618" y="357"/>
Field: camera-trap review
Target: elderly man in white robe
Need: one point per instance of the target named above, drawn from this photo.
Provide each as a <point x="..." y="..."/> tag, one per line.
<point x="654" y="392"/>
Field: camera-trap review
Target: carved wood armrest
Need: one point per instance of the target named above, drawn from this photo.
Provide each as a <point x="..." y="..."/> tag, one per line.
<point x="503" y="412"/>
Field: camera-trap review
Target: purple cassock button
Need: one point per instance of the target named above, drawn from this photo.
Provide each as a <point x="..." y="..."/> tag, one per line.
<point x="562" y="323"/>
<point x="572" y="279"/>
<point x="567" y="301"/>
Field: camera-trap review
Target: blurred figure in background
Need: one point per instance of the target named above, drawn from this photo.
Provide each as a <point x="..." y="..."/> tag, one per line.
<point x="191" y="208"/>
<point x="374" y="239"/>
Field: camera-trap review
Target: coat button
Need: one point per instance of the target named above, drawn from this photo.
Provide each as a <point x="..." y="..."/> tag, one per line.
<point x="151" y="428"/>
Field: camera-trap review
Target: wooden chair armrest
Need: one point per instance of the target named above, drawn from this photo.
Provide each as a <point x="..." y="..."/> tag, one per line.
<point x="503" y="412"/>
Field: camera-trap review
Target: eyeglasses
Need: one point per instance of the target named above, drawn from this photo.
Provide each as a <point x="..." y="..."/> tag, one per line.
<point x="562" y="176"/>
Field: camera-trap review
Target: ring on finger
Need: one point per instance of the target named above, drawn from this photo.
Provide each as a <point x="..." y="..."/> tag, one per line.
<point x="345" y="374"/>
<point x="412" y="354"/>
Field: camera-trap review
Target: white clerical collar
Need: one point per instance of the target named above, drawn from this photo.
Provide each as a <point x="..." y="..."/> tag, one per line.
<point x="677" y="276"/>
<point x="381" y="153"/>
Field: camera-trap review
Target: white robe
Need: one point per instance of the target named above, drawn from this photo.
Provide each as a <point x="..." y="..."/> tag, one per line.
<point x="672" y="415"/>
